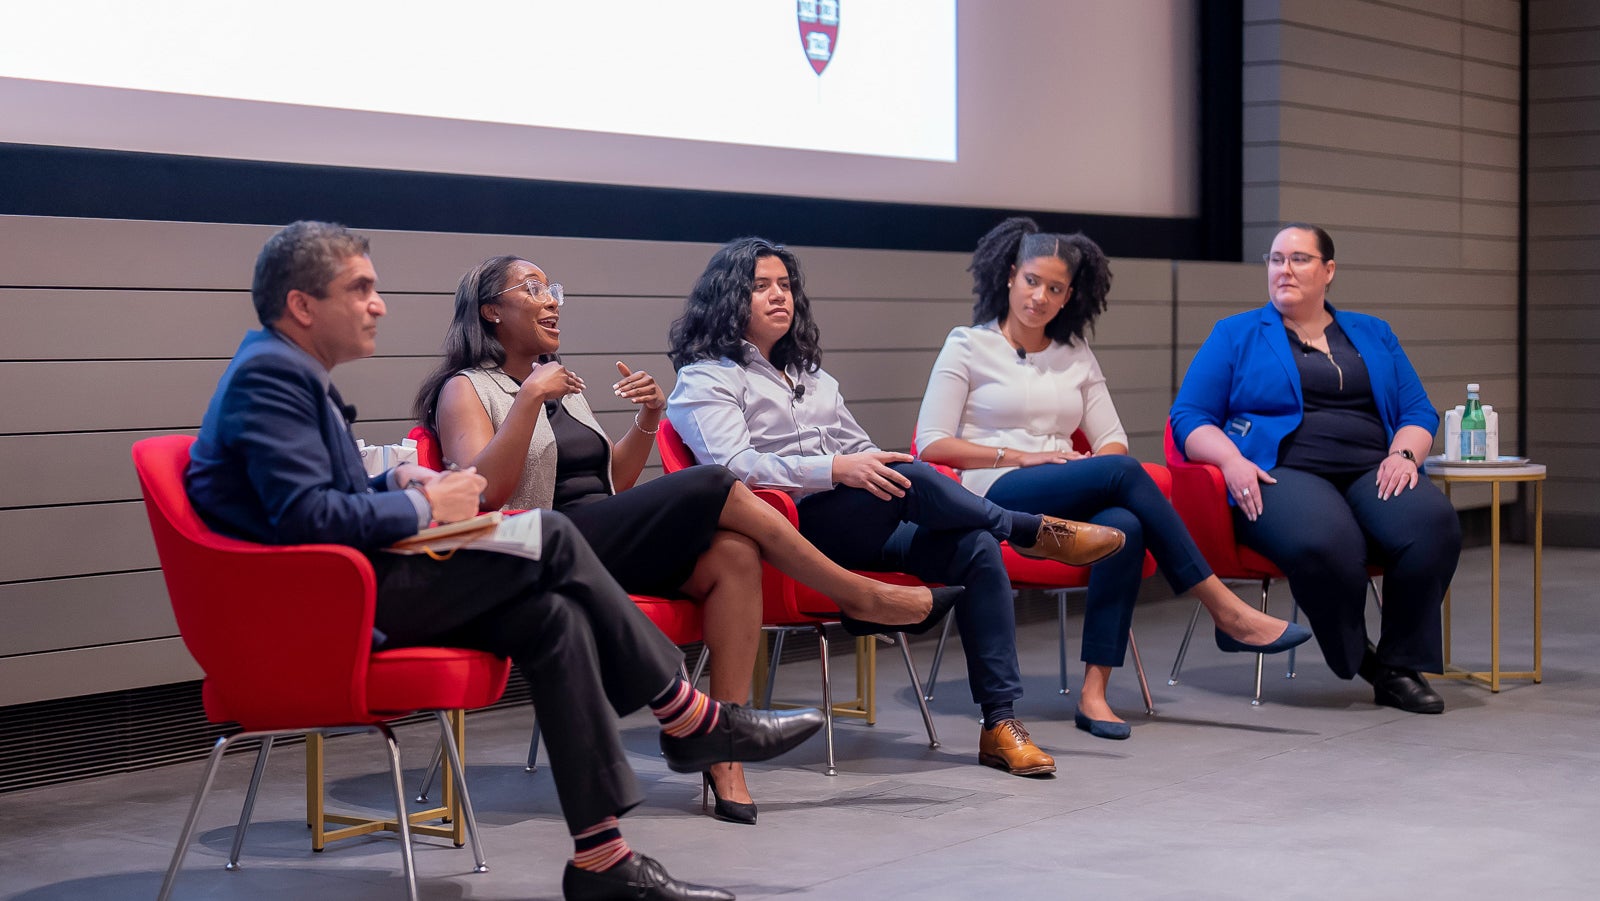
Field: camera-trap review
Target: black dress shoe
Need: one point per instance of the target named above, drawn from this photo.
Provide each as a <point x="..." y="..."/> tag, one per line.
<point x="1405" y="689"/>
<point x="639" y="877"/>
<point x="944" y="598"/>
<point x="741" y="735"/>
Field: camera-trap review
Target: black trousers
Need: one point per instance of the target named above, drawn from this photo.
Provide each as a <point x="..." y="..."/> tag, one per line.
<point x="583" y="645"/>
<point x="1324" y="531"/>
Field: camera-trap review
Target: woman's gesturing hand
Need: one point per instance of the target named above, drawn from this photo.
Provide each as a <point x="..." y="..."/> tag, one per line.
<point x="870" y="470"/>
<point x="1244" y="480"/>
<point x="552" y="380"/>
<point x="639" y="388"/>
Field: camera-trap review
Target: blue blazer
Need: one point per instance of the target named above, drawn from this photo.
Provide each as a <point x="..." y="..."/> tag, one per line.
<point x="1244" y="381"/>
<point x="275" y="462"/>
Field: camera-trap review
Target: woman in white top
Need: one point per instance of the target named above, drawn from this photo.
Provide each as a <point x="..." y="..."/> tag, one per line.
<point x="1004" y="399"/>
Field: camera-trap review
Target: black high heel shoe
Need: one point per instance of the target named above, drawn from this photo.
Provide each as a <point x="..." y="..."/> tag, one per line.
<point x="727" y="811"/>
<point x="944" y="598"/>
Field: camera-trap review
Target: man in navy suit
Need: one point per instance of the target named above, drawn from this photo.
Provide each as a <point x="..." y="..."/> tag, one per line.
<point x="275" y="463"/>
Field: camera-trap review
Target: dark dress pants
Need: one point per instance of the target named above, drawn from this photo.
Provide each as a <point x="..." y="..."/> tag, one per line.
<point x="1113" y="490"/>
<point x="1324" y="531"/>
<point x="583" y="645"/>
<point x="938" y="532"/>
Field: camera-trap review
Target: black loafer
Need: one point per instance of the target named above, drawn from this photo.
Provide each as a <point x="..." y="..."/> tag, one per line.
<point x="1405" y="689"/>
<point x="639" y="878"/>
<point x="741" y="735"/>
<point x="944" y="598"/>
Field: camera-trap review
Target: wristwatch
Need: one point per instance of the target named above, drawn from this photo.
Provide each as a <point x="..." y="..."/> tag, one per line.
<point x="1407" y="454"/>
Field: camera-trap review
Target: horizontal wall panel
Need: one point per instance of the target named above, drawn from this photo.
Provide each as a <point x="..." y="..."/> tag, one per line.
<point x="84" y="671"/>
<point x="1143" y="280"/>
<point x="1500" y="81"/>
<point x="1383" y="23"/>
<point x="1315" y="167"/>
<point x="1344" y="131"/>
<point x="70" y="468"/>
<point x="1568" y="150"/>
<point x="881" y="375"/>
<point x="1564" y="322"/>
<point x="1496" y="219"/>
<point x="1564" y="82"/>
<point x="1566" y="221"/>
<point x="1547" y="49"/>
<point x="1569" y="391"/>
<point x="1555" y="117"/>
<point x="50" y="542"/>
<point x="1333" y="208"/>
<point x="1345" y="53"/>
<point x="1290" y="83"/>
<point x="1504" y="15"/>
<point x="1497" y="185"/>
<point x="66" y="613"/>
<point x="1491" y="45"/>
<point x="1559" y="186"/>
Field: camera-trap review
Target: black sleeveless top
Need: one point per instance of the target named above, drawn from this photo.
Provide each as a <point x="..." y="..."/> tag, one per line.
<point x="580" y="460"/>
<point x="1340" y="432"/>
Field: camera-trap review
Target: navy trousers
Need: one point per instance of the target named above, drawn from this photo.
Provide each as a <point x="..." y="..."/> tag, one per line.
<point x="1324" y="531"/>
<point x="939" y="532"/>
<point x="1113" y="490"/>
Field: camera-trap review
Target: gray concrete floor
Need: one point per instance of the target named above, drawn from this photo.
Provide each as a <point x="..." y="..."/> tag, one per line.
<point x="1315" y="794"/>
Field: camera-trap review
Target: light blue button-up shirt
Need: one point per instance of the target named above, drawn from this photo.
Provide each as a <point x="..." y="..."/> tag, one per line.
<point x="769" y="434"/>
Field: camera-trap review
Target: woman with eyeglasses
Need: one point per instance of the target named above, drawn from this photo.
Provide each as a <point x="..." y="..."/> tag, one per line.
<point x="501" y="402"/>
<point x="1320" y="424"/>
<point x="1003" y="401"/>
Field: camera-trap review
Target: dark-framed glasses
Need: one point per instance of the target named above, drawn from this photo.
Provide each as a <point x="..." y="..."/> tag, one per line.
<point x="1297" y="260"/>
<point x="537" y="289"/>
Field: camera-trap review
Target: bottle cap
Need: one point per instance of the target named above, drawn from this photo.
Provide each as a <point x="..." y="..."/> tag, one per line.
<point x="1472" y="386"/>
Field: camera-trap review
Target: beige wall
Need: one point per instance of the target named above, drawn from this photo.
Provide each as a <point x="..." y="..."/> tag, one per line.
<point x="1564" y="261"/>
<point x="1394" y="126"/>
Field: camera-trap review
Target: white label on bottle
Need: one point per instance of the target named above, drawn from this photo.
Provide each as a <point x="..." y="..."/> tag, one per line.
<point x="1474" y="444"/>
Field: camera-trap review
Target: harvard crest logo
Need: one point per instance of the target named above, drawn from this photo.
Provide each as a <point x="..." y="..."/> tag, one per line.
<point x="819" y="30"/>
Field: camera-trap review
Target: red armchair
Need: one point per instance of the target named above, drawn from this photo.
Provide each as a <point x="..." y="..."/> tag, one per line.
<point x="1058" y="578"/>
<point x="789" y="606"/>
<point x="284" y="636"/>
<point x="1200" y="496"/>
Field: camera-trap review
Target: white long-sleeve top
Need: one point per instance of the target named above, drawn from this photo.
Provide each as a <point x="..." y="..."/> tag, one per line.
<point x="750" y="420"/>
<point x="981" y="392"/>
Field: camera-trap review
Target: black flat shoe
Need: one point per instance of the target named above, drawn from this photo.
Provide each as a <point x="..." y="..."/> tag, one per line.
<point x="944" y="598"/>
<point x="639" y="878"/>
<point x="1405" y="689"/>
<point x="741" y="735"/>
<point x="727" y="811"/>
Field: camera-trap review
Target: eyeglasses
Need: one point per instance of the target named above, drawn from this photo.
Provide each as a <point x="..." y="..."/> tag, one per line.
<point x="536" y="288"/>
<point x="1297" y="260"/>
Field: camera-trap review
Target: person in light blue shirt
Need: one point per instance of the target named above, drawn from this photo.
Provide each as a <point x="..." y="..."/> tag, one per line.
<point x="1320" y="424"/>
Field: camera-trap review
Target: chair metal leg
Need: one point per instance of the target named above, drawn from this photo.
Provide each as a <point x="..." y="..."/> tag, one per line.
<point x="430" y="772"/>
<point x="1266" y="584"/>
<point x="187" y="834"/>
<point x="700" y="666"/>
<point x="1294" y="617"/>
<point x="772" y="672"/>
<point x="938" y="657"/>
<point x="533" y="747"/>
<point x="402" y="819"/>
<point x="249" y="804"/>
<point x="1144" y="683"/>
<point x="916" y="688"/>
<point x="1183" y="646"/>
<point x="827" y="698"/>
<point x="460" y="771"/>
<point x="1061" y="627"/>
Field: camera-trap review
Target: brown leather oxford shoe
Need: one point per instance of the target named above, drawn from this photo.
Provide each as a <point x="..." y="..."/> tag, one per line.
<point x="1008" y="747"/>
<point x="1073" y="543"/>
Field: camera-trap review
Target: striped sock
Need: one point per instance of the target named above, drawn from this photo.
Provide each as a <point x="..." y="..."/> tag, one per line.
<point x="600" y="847"/>
<point x="685" y="711"/>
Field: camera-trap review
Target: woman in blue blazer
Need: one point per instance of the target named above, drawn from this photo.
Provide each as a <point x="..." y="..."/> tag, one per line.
<point x="1319" y="425"/>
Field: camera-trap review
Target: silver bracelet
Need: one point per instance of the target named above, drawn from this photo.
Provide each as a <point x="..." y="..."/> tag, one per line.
<point x="642" y="428"/>
<point x="998" y="456"/>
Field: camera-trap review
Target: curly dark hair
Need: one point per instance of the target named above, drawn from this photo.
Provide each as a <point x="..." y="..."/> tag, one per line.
<point x="470" y="340"/>
<point x="1017" y="240"/>
<point x="717" y="311"/>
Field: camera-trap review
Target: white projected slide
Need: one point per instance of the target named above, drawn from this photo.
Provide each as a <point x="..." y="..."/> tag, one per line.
<point x="874" y="77"/>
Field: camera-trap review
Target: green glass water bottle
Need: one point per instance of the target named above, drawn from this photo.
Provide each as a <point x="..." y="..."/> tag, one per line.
<point x="1474" y="428"/>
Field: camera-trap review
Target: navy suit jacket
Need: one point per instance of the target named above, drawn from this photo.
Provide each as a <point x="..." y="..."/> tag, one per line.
<point x="275" y="462"/>
<point x="1244" y="381"/>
